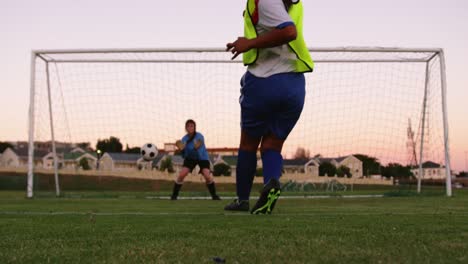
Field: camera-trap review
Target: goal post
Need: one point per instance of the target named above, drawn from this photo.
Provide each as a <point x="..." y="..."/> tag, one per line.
<point x="358" y="101"/>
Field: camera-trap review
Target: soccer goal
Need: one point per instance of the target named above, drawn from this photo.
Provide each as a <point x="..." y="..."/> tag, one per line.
<point x="383" y="103"/>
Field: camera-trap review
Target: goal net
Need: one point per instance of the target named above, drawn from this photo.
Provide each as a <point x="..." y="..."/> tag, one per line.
<point x="384" y="103"/>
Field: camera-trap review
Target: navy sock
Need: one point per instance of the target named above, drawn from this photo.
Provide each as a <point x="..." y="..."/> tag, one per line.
<point x="272" y="165"/>
<point x="245" y="173"/>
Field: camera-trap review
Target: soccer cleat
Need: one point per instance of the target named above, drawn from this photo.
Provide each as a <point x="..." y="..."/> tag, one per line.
<point x="173" y="198"/>
<point x="215" y="197"/>
<point x="268" y="197"/>
<point x="237" y="205"/>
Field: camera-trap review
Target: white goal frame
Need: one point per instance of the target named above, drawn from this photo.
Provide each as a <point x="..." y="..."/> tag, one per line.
<point x="42" y="55"/>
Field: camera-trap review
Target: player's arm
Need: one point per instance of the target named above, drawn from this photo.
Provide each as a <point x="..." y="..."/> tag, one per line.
<point x="272" y="14"/>
<point x="273" y="38"/>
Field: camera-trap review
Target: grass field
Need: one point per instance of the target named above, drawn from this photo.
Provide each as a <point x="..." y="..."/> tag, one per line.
<point x="127" y="228"/>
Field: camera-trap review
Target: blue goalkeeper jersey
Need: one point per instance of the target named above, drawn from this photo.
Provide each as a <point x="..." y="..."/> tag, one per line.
<point x="190" y="152"/>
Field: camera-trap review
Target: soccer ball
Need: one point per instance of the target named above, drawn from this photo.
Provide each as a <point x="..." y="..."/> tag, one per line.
<point x="149" y="152"/>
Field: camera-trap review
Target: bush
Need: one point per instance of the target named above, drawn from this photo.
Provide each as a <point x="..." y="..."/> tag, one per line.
<point x="343" y="171"/>
<point x="221" y="169"/>
<point x="328" y="169"/>
<point x="166" y="164"/>
<point x="84" y="164"/>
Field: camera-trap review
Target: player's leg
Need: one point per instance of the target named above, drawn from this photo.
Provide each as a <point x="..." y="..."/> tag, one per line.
<point x="253" y="126"/>
<point x="286" y="110"/>
<point x="187" y="167"/>
<point x="245" y="172"/>
<point x="209" y="180"/>
<point x="272" y="161"/>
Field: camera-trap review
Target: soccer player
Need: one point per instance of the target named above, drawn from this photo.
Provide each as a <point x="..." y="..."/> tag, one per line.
<point x="194" y="152"/>
<point x="272" y="94"/>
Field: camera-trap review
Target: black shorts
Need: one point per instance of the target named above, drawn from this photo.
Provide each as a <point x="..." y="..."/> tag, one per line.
<point x="190" y="164"/>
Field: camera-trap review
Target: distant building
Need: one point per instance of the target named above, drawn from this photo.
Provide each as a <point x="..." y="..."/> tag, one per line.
<point x="45" y="146"/>
<point x="170" y="148"/>
<point x="230" y="160"/>
<point x="69" y="158"/>
<point x="431" y="170"/>
<point x="74" y="159"/>
<point x="19" y="157"/>
<point x="9" y="158"/>
<point x="223" y="151"/>
<point x="309" y="166"/>
<point x="118" y="161"/>
<point x="353" y="163"/>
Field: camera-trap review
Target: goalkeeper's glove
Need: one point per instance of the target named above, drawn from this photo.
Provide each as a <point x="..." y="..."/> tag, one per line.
<point x="197" y="144"/>
<point x="180" y="145"/>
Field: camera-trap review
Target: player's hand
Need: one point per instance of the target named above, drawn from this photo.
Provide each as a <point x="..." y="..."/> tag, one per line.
<point x="239" y="46"/>
<point x="197" y="143"/>
<point x="180" y="145"/>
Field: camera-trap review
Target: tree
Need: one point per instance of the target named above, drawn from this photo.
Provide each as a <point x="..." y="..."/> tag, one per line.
<point x="396" y="170"/>
<point x="370" y="165"/>
<point x="302" y="153"/>
<point x="343" y="171"/>
<point x="221" y="169"/>
<point x="463" y="174"/>
<point x="135" y="150"/>
<point x="5" y="145"/>
<point x="166" y="164"/>
<point x="109" y="145"/>
<point x="84" y="164"/>
<point x="84" y="145"/>
<point x="327" y="168"/>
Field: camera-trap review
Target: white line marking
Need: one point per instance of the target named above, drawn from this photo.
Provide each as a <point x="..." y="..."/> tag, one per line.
<point x="282" y="197"/>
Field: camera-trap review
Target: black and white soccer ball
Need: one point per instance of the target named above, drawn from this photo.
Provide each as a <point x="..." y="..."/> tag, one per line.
<point x="149" y="152"/>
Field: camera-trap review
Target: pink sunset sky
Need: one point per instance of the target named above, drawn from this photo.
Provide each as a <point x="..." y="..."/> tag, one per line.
<point x="65" y="24"/>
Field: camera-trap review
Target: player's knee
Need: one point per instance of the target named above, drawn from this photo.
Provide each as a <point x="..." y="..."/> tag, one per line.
<point x="209" y="179"/>
<point x="182" y="175"/>
<point x="271" y="142"/>
<point x="248" y="143"/>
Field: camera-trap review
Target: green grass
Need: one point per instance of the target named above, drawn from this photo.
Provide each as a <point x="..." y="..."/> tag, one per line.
<point x="127" y="228"/>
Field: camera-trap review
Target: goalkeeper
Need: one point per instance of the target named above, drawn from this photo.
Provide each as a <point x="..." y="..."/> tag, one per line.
<point x="194" y="152"/>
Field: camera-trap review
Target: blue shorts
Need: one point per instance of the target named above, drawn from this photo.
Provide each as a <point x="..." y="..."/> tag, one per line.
<point x="271" y="105"/>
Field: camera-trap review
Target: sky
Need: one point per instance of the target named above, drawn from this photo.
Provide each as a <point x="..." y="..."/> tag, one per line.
<point x="65" y="24"/>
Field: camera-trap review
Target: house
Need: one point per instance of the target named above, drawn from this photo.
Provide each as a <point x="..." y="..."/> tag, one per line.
<point x="45" y="146"/>
<point x="223" y="151"/>
<point x="19" y="157"/>
<point x="118" y="161"/>
<point x="289" y="165"/>
<point x="431" y="170"/>
<point x="9" y="158"/>
<point x="309" y="166"/>
<point x="48" y="161"/>
<point x="230" y="160"/>
<point x="353" y="163"/>
<point x="73" y="159"/>
<point x="170" y="148"/>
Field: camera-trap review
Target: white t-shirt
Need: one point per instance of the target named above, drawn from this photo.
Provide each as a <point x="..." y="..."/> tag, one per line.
<point x="272" y="14"/>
